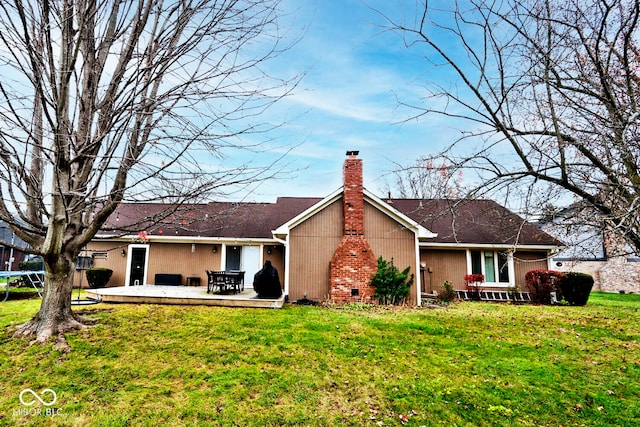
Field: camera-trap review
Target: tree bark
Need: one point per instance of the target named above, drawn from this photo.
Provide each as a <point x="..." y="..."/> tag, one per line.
<point x="126" y="97"/>
<point x="55" y="316"/>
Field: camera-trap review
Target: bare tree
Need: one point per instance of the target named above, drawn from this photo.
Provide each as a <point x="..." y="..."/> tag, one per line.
<point x="426" y="180"/>
<point x="121" y="100"/>
<point x="549" y="93"/>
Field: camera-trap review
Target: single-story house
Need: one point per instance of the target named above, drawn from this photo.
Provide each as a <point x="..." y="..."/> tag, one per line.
<point x="325" y="248"/>
<point x="593" y="248"/>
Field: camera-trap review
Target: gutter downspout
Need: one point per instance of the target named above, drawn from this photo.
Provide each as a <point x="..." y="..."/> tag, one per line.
<point x="285" y="243"/>
<point x="418" y="281"/>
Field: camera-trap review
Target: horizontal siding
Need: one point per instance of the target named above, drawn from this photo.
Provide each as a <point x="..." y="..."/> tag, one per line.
<point x="445" y="265"/>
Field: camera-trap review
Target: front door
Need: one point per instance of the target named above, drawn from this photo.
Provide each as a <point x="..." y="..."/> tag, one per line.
<point x="138" y="257"/>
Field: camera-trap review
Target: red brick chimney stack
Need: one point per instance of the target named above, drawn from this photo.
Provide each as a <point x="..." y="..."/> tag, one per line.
<point x="353" y="262"/>
<point x="353" y="195"/>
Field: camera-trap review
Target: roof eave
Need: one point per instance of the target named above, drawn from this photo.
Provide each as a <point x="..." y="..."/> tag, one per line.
<point x="467" y="245"/>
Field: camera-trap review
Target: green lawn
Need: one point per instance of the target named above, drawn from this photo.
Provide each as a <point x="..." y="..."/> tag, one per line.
<point x="473" y="364"/>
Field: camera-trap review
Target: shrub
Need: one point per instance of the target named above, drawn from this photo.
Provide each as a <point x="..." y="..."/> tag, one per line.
<point x="392" y="285"/>
<point x="98" y="277"/>
<point x="449" y="293"/>
<point x="541" y="283"/>
<point x="34" y="264"/>
<point x="473" y="285"/>
<point x="514" y="292"/>
<point x="576" y="287"/>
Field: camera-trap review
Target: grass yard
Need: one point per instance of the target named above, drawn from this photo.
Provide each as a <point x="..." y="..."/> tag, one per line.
<point x="473" y="364"/>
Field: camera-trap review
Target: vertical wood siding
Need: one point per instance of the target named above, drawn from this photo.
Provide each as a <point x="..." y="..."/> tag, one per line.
<point x="527" y="261"/>
<point x="177" y="258"/>
<point x="311" y="246"/>
<point x="313" y="243"/>
<point x="114" y="261"/>
<point x="389" y="239"/>
<point x="163" y="258"/>
<point x="445" y="264"/>
<point x="276" y="257"/>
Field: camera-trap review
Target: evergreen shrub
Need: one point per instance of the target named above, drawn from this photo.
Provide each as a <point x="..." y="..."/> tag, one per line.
<point x="34" y="264"/>
<point x="392" y="285"/>
<point x="98" y="277"/>
<point x="449" y="293"/>
<point x="576" y="287"/>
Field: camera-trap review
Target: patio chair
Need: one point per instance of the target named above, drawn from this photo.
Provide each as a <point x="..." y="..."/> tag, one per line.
<point x="236" y="280"/>
<point x="216" y="279"/>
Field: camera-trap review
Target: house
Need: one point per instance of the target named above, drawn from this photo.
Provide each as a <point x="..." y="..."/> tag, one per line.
<point x="593" y="249"/>
<point x="325" y="249"/>
<point x="10" y="259"/>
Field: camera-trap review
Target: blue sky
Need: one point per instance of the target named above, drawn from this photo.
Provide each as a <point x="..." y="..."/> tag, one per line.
<point x="348" y="100"/>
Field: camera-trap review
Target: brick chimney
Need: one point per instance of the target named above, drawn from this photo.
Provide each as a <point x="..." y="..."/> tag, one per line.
<point x="353" y="262"/>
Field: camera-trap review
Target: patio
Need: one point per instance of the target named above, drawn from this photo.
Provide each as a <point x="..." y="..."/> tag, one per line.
<point x="180" y="295"/>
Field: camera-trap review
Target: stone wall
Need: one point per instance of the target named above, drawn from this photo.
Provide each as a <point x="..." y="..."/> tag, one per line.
<point x="614" y="275"/>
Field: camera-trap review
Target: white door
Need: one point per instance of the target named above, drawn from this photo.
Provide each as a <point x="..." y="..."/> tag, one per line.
<point x="250" y="263"/>
<point x="137" y="261"/>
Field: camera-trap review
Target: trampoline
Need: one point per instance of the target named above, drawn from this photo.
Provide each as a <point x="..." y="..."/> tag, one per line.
<point x="34" y="278"/>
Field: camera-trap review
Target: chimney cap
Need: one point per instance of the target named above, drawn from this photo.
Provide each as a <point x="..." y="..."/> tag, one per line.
<point x="352" y="153"/>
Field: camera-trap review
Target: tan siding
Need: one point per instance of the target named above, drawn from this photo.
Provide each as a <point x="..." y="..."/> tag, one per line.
<point x="177" y="258"/>
<point x="445" y="265"/>
<point x="389" y="239"/>
<point x="312" y="244"/>
<point x="276" y="257"/>
<point x="115" y="261"/>
<point x="163" y="258"/>
<point x="527" y="261"/>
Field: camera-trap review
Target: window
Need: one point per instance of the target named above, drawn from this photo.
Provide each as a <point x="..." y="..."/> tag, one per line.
<point x="493" y="264"/>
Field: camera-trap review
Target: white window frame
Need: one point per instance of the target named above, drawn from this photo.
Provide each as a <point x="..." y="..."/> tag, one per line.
<point x="510" y="266"/>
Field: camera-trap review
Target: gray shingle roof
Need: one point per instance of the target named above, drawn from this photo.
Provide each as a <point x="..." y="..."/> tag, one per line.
<point x="455" y="221"/>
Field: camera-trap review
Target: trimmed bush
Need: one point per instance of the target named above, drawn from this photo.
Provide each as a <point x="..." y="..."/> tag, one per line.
<point x="98" y="277"/>
<point x="35" y="264"/>
<point x="541" y="283"/>
<point x="576" y="287"/>
<point x="392" y="285"/>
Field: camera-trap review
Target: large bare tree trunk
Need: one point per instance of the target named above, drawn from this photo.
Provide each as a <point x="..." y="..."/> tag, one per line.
<point x="127" y="96"/>
<point x="55" y="316"/>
